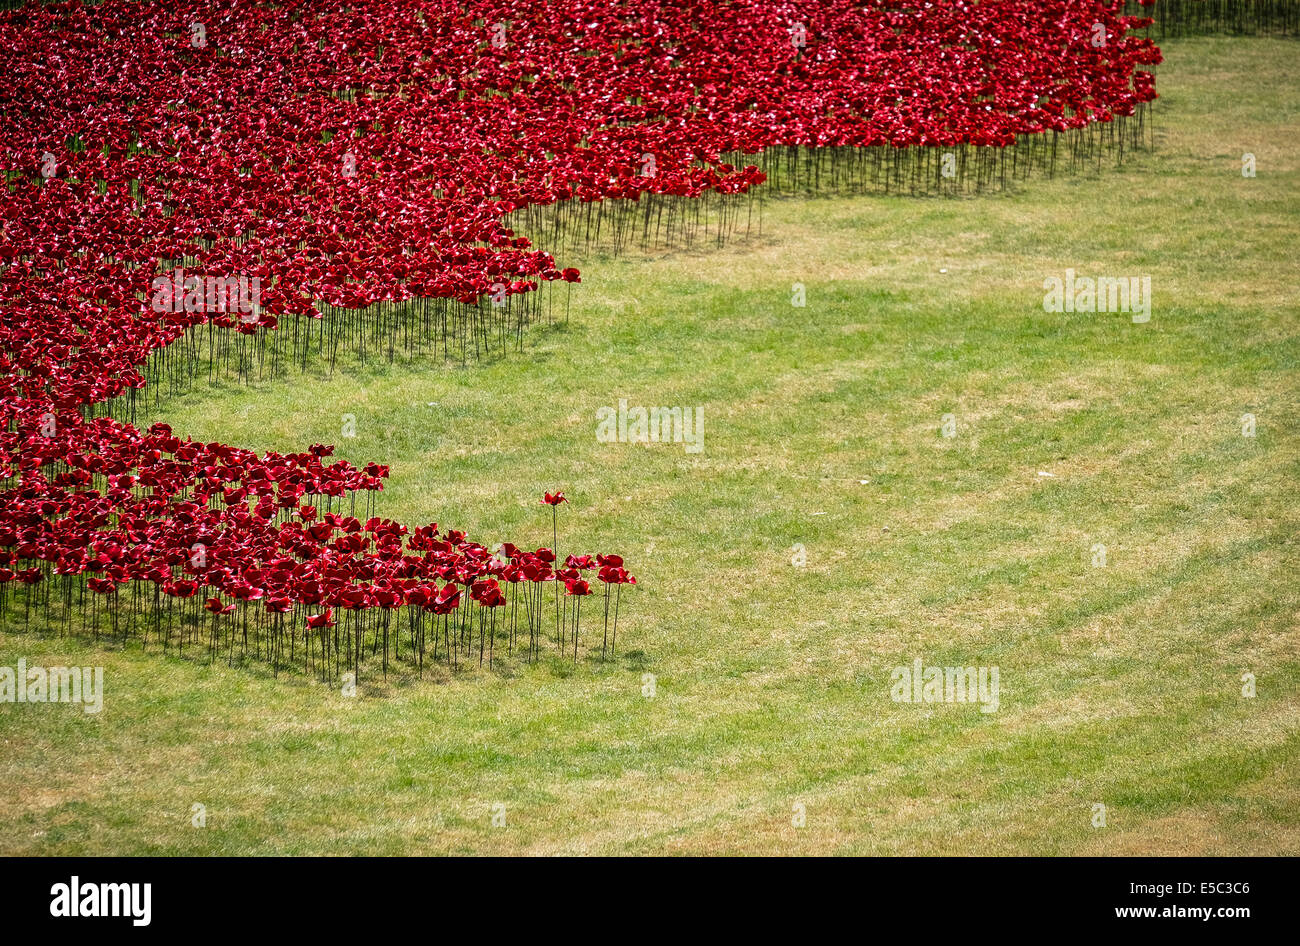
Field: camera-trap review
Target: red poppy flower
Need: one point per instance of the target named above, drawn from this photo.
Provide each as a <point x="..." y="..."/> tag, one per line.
<point x="214" y="606"/>
<point x="323" y="620"/>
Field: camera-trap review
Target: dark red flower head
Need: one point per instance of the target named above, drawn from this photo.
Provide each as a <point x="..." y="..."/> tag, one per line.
<point x="322" y="620"/>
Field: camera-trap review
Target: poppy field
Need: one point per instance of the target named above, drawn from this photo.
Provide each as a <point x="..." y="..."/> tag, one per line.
<point x="465" y="229"/>
<point x="157" y="240"/>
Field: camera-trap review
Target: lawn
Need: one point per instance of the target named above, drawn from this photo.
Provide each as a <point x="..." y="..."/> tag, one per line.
<point x="747" y="689"/>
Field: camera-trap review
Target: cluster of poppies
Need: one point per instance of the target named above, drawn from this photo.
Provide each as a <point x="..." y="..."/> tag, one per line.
<point x="169" y="533"/>
<point x="204" y="186"/>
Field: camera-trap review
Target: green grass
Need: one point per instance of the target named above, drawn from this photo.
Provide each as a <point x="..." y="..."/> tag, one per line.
<point x="1120" y="685"/>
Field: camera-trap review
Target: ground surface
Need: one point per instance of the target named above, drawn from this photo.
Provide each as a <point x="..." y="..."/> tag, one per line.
<point x="1119" y="685"/>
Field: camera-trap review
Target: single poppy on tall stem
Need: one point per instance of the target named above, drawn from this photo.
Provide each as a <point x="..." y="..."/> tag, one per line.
<point x="553" y="500"/>
<point x="579" y="589"/>
<point x="610" y="567"/>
